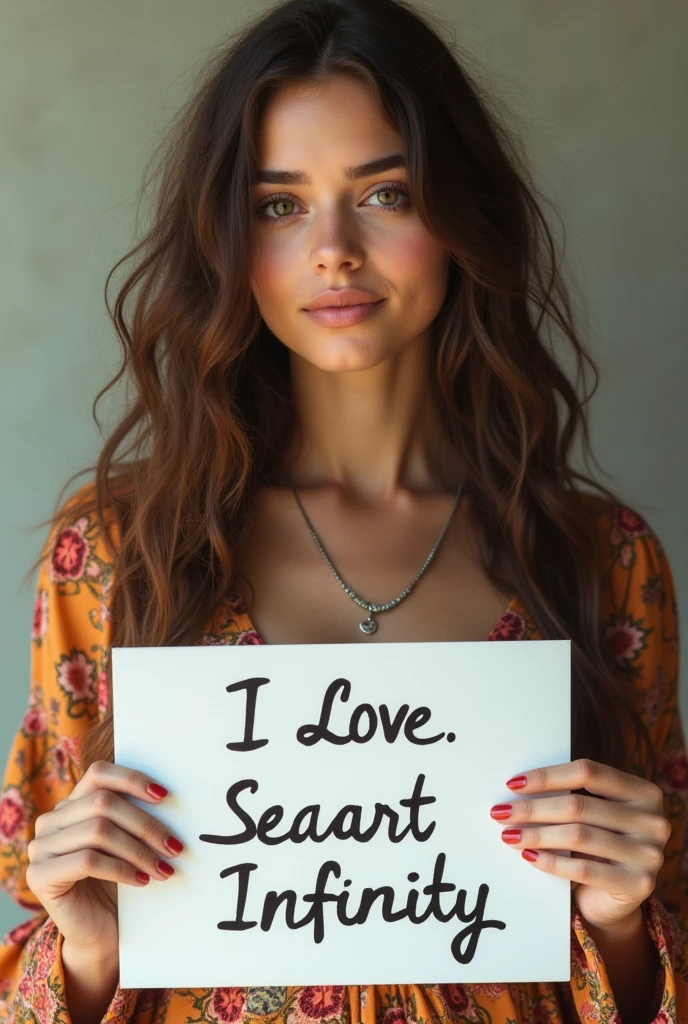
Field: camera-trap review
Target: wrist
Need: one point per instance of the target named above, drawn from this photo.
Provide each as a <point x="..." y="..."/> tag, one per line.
<point x="630" y="926"/>
<point x="90" y="980"/>
<point x="100" y="963"/>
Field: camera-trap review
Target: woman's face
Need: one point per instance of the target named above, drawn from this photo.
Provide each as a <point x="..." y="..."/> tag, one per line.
<point x="329" y="232"/>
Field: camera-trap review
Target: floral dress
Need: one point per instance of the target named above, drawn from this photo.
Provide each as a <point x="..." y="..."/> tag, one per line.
<point x="67" y="694"/>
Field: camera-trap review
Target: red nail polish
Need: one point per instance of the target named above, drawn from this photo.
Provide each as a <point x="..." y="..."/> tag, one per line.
<point x="518" y="782"/>
<point x="142" y="876"/>
<point x="174" y="845"/>
<point x="529" y="854"/>
<point x="511" y="835"/>
<point x="163" y="866"/>
<point x="501" y="811"/>
<point x="155" y="790"/>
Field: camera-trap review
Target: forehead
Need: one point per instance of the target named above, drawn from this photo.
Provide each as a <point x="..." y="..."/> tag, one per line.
<point x="328" y="126"/>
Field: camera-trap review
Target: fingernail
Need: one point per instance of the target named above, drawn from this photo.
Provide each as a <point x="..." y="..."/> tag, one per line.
<point x="155" y="790"/>
<point x="529" y="854"/>
<point x="518" y="782"/>
<point x="166" y="868"/>
<point x="511" y="835"/>
<point x="174" y="845"/>
<point x="142" y="877"/>
<point x="501" y="811"/>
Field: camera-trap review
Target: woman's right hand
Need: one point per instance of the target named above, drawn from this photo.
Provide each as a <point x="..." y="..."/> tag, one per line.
<point x="87" y="843"/>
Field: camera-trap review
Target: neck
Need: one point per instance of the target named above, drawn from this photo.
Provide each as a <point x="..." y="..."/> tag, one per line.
<point x="372" y="432"/>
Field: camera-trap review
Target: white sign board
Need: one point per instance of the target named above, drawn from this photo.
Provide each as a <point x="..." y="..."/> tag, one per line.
<point x="334" y="802"/>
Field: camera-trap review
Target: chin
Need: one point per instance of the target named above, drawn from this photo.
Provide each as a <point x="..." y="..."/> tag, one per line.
<point x="345" y="355"/>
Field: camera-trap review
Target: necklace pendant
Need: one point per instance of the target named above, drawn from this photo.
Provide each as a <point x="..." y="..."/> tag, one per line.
<point x="369" y="626"/>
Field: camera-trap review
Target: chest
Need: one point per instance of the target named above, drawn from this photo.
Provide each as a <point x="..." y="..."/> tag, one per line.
<point x="292" y="595"/>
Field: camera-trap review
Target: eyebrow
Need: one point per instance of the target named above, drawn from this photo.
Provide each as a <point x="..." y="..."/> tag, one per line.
<point x="385" y="163"/>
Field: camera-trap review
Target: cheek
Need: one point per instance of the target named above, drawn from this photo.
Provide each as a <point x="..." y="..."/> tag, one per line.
<point x="411" y="255"/>
<point x="408" y="249"/>
<point x="274" y="275"/>
<point x="418" y="266"/>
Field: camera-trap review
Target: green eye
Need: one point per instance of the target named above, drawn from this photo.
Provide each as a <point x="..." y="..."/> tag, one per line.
<point x="285" y="197"/>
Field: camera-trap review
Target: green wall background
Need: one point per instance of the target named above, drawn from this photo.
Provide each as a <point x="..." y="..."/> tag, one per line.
<point x="602" y="93"/>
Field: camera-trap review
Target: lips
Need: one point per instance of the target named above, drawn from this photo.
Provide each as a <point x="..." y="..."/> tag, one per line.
<point x="343" y="305"/>
<point x="344" y="316"/>
<point x="335" y="298"/>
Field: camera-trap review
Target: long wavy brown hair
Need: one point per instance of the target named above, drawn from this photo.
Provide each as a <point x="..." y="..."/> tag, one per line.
<point x="210" y="404"/>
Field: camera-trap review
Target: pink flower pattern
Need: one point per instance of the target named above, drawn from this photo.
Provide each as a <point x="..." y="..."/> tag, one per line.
<point x="395" y="1015"/>
<point x="70" y="554"/>
<point x="511" y="626"/>
<point x="35" y="720"/>
<point x="76" y="674"/>
<point x="226" y="1005"/>
<point x="12" y="814"/>
<point x="103" y="694"/>
<point x="626" y="638"/>
<point x="39" y="625"/>
<point x="318" y="1002"/>
<point x="248" y="636"/>
<point x="456" y="997"/>
<point x="20" y="933"/>
<point x="627" y="525"/>
<point x="672" y="772"/>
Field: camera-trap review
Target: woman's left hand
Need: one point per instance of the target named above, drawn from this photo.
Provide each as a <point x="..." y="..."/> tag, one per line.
<point x="616" y="836"/>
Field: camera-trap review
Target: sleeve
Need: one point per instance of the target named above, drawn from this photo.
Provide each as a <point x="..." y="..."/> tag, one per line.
<point x="641" y="624"/>
<point x="67" y="693"/>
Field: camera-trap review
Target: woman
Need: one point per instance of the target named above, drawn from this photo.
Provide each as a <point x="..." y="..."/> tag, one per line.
<point x="336" y="153"/>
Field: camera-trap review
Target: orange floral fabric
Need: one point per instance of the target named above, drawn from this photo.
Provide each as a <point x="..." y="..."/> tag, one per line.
<point x="67" y="693"/>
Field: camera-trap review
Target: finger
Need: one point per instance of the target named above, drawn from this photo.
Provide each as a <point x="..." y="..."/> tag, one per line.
<point x="121" y="779"/>
<point x="617" y="880"/>
<point x="593" y="842"/>
<point x="591" y="810"/>
<point x="57" y="875"/>
<point x="103" y="835"/>
<point x="104" y="803"/>
<point x="600" y="779"/>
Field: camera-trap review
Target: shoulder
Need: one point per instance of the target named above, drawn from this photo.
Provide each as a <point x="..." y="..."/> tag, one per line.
<point x="80" y="543"/>
<point x="637" y="574"/>
<point x="634" y="563"/>
<point x="70" y="630"/>
<point x="78" y="554"/>
<point x="638" y="602"/>
<point x="77" y="560"/>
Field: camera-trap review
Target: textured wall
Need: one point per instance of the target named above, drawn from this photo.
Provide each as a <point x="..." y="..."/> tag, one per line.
<point x="601" y="93"/>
